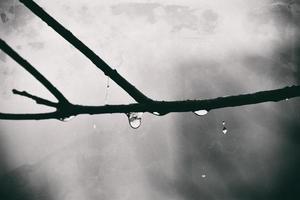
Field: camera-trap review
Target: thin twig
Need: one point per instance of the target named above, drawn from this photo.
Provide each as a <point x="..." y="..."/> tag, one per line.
<point x="35" y="73"/>
<point x="37" y="99"/>
<point x="92" y="56"/>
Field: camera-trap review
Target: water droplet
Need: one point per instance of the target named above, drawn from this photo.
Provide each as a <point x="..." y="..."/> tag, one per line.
<point x="135" y="119"/>
<point x="156" y="113"/>
<point x="223" y="123"/>
<point x="66" y="119"/>
<point x="224" y="130"/>
<point x="203" y="175"/>
<point x="201" y="112"/>
<point x="287" y="99"/>
<point x="159" y="113"/>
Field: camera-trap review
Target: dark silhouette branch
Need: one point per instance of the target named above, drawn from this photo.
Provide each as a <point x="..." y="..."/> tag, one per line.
<point x="64" y="109"/>
<point x="93" y="57"/>
<point x="34" y="116"/>
<point x="37" y="99"/>
<point x="35" y="73"/>
<point x="167" y="106"/>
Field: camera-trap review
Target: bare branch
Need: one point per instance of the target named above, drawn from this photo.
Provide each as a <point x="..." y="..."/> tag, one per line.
<point x="92" y="56"/>
<point x="194" y="105"/>
<point x="37" y="99"/>
<point x="35" y="73"/>
<point x="167" y="107"/>
<point x="66" y="109"/>
<point x="33" y="116"/>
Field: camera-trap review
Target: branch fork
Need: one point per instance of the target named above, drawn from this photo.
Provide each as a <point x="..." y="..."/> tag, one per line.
<point x="65" y="109"/>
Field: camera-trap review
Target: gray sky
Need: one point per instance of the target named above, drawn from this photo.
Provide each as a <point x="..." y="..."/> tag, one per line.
<point x="170" y="50"/>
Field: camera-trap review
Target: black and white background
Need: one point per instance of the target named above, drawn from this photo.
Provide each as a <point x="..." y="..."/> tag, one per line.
<point x="170" y="50"/>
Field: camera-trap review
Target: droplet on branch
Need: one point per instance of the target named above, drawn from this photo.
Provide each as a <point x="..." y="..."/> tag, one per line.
<point x="156" y="113"/>
<point x="66" y="119"/>
<point x="201" y="112"/>
<point x="135" y="119"/>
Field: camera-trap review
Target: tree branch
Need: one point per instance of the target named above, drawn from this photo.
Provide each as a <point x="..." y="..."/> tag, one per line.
<point x="34" y="116"/>
<point x="66" y="109"/>
<point x="167" y="106"/>
<point x="93" y="57"/>
<point x="37" y="99"/>
<point x="35" y="73"/>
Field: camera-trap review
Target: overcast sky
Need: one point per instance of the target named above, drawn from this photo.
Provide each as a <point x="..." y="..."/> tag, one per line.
<point x="170" y="50"/>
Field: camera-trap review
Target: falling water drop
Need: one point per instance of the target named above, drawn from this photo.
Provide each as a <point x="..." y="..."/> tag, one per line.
<point x="66" y="119"/>
<point x="224" y="130"/>
<point x="135" y="119"/>
<point x="201" y="112"/>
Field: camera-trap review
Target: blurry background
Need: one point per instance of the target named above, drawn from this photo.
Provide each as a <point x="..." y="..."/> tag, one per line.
<point x="170" y="50"/>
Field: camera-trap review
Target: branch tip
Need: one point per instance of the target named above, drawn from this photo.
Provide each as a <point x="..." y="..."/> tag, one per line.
<point x="37" y="99"/>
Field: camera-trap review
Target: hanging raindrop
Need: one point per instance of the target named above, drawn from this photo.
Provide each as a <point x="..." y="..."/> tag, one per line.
<point x="67" y="119"/>
<point x="135" y="119"/>
<point x="224" y="130"/>
<point x="201" y="112"/>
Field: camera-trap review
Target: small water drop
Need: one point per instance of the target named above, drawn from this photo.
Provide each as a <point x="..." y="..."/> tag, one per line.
<point x="224" y="130"/>
<point x="203" y="175"/>
<point x="67" y="119"/>
<point x="135" y="119"/>
<point x="201" y="112"/>
<point x="156" y="113"/>
<point x="159" y="113"/>
<point x="223" y="123"/>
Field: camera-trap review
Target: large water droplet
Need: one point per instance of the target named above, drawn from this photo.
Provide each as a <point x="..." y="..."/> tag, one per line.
<point x="135" y="119"/>
<point x="224" y="130"/>
<point x="66" y="119"/>
<point x="201" y="112"/>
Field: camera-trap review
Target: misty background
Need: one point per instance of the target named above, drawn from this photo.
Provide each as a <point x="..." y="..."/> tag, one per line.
<point x="170" y="50"/>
